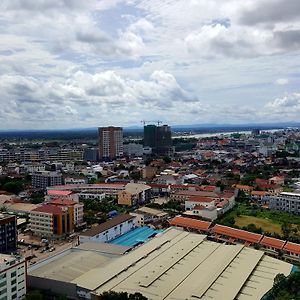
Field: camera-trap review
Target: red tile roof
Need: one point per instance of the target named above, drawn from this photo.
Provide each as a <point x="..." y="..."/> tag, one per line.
<point x="272" y="242"/>
<point x="49" y="209"/>
<point x="237" y="233"/>
<point x="61" y="201"/>
<point x="292" y="247"/>
<point x="190" y="223"/>
<point x="200" y="199"/>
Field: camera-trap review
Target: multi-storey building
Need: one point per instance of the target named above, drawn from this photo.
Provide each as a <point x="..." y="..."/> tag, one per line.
<point x="45" y="179"/>
<point x="12" y="278"/>
<point x="51" y="220"/>
<point x="289" y="202"/>
<point x="110" y="142"/>
<point x="158" y="138"/>
<point x="77" y="208"/>
<point x="8" y="234"/>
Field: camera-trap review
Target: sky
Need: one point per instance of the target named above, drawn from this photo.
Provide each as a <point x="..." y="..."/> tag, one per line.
<point x="86" y="63"/>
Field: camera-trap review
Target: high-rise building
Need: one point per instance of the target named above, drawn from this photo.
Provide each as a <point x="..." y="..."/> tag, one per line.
<point x="12" y="277"/>
<point x="110" y="142"/>
<point x="8" y="233"/>
<point x="159" y="138"/>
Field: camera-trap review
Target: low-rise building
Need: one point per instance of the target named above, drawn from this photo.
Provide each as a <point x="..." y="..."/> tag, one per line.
<point x="12" y="277"/>
<point x="145" y="215"/>
<point x="288" y="202"/>
<point x="134" y="194"/>
<point x="109" y="230"/>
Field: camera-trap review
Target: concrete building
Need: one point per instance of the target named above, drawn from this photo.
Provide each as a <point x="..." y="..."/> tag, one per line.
<point x="159" y="139"/>
<point x="77" y="208"/>
<point x="145" y="215"/>
<point x="12" y="278"/>
<point x="91" y="154"/>
<point x="288" y="202"/>
<point x="52" y="221"/>
<point x="46" y="178"/>
<point x="133" y="149"/>
<point x="134" y="194"/>
<point x="110" y="142"/>
<point x="109" y="230"/>
<point x="8" y="234"/>
<point x="58" y="273"/>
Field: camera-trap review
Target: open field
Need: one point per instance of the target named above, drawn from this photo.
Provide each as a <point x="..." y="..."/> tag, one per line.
<point x="265" y="224"/>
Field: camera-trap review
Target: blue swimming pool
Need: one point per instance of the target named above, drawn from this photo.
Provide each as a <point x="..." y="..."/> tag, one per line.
<point x="136" y="236"/>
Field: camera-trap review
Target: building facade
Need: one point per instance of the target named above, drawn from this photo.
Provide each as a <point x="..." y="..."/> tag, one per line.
<point x="109" y="230"/>
<point x="8" y="234"/>
<point x="110" y="142"/>
<point x="52" y="221"/>
<point x="288" y="202"/>
<point x="44" y="179"/>
<point x="159" y="139"/>
<point x="12" y="278"/>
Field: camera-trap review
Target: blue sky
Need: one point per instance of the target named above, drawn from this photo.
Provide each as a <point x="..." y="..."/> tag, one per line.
<point x="74" y="63"/>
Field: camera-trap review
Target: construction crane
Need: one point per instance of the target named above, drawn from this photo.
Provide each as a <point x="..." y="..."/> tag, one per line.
<point x="153" y="121"/>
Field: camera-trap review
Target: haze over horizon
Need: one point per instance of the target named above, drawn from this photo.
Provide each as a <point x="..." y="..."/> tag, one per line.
<point x="79" y="64"/>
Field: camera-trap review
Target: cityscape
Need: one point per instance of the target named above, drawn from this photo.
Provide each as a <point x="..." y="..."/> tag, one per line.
<point x="149" y="150"/>
<point x="78" y="217"/>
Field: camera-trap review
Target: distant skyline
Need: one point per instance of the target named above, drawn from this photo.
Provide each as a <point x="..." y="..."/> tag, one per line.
<point x="79" y="64"/>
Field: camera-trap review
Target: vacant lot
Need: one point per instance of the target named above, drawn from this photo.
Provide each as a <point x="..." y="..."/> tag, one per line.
<point x="265" y="224"/>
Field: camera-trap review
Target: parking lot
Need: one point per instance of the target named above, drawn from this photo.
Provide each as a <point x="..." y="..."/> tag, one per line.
<point x="36" y="249"/>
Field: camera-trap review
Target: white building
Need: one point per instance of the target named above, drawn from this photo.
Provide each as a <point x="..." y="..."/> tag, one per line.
<point x="145" y="215"/>
<point x="109" y="230"/>
<point x="12" y="277"/>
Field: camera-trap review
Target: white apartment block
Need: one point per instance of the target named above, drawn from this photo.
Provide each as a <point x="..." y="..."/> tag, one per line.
<point x="12" y="278"/>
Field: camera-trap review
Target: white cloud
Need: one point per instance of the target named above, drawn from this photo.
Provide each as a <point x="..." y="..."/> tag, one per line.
<point x="282" y="81"/>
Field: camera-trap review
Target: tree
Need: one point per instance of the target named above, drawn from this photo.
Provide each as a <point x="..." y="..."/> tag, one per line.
<point x="121" y="296"/>
<point x="286" y="229"/>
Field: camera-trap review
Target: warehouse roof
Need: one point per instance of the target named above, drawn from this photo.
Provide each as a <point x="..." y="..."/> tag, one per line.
<point x="182" y="265"/>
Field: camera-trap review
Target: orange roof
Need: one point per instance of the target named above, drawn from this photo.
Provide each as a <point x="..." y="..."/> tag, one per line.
<point x="59" y="193"/>
<point x="200" y="199"/>
<point x="190" y="223"/>
<point x="243" y="187"/>
<point x="237" y="233"/>
<point x="272" y="242"/>
<point x="258" y="193"/>
<point x="292" y="247"/>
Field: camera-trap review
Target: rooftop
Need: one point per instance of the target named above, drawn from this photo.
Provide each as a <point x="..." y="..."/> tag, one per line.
<point x="237" y="233"/>
<point x="182" y="265"/>
<point x="49" y="209"/>
<point x="190" y="223"/>
<point x="292" y="247"/>
<point x="272" y="242"/>
<point x="107" y="225"/>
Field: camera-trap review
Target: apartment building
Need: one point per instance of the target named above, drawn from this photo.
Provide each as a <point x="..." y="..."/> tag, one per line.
<point x="288" y="202"/>
<point x="52" y="220"/>
<point x="12" y="277"/>
<point x="46" y="178"/>
<point x="110" y="142"/>
<point x="76" y="206"/>
<point x="8" y="233"/>
<point x="134" y="194"/>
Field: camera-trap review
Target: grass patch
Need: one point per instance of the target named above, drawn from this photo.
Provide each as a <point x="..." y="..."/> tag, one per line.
<point x="264" y="224"/>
